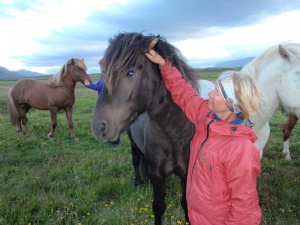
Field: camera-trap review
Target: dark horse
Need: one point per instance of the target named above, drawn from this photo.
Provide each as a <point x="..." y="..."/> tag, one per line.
<point x="135" y="95"/>
<point x="56" y="94"/>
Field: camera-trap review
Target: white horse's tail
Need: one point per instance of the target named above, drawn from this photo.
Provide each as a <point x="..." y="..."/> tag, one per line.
<point x="12" y="110"/>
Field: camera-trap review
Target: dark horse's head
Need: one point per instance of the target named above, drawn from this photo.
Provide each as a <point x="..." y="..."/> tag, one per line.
<point x="133" y="83"/>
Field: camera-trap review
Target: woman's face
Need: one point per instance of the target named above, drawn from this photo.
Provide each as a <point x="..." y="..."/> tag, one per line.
<point x="216" y="101"/>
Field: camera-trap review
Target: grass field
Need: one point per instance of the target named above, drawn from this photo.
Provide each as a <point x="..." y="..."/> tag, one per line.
<point x="86" y="182"/>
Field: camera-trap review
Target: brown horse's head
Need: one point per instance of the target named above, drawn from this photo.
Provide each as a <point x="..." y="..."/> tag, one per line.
<point x="74" y="69"/>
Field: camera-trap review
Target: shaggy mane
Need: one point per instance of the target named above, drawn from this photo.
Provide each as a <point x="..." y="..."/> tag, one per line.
<point x="125" y="50"/>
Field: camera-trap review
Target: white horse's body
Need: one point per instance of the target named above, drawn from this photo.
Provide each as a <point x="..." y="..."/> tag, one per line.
<point x="206" y="86"/>
<point x="277" y="71"/>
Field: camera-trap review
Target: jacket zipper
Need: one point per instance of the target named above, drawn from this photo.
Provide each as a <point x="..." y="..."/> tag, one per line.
<point x="207" y="134"/>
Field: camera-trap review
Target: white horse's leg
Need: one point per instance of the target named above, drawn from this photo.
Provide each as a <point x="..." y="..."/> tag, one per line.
<point x="262" y="137"/>
<point x="287" y="131"/>
<point x="286" y="150"/>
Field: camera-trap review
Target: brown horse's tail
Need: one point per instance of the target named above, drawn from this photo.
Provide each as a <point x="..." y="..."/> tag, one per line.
<point x="12" y="110"/>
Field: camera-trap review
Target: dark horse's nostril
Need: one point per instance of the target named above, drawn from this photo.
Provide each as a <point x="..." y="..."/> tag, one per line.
<point x="102" y="128"/>
<point x="99" y="129"/>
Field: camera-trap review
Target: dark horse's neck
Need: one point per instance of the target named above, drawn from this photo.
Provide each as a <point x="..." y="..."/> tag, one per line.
<point x="168" y="115"/>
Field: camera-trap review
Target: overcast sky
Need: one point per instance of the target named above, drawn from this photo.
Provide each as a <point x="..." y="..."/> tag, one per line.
<point x="41" y="35"/>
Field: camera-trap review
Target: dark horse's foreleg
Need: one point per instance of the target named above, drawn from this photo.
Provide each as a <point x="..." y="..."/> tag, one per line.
<point x="287" y="130"/>
<point x="159" y="195"/>
<point x="53" y="113"/>
<point x="183" y="198"/>
<point x="69" y="112"/>
<point x="135" y="157"/>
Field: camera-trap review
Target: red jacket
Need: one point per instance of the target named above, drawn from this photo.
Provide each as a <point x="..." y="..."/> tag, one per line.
<point x="224" y="162"/>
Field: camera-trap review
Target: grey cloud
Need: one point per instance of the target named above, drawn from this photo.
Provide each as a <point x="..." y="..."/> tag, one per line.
<point x="6" y="9"/>
<point x="175" y="20"/>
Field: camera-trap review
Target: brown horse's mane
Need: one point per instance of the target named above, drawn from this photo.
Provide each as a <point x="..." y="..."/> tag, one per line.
<point x="56" y="79"/>
<point x="125" y="50"/>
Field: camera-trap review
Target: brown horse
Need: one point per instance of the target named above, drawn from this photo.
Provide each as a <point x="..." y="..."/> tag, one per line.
<point x="55" y="95"/>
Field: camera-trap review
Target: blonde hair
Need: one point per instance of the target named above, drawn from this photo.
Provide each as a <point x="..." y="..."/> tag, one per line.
<point x="247" y="92"/>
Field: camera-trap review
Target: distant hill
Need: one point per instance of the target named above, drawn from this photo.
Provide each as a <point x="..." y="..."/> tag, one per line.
<point x="234" y="63"/>
<point x="221" y="66"/>
<point x="7" y="74"/>
<point x="217" y="69"/>
<point x="28" y="73"/>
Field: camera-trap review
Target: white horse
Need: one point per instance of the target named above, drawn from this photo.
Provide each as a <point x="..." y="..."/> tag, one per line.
<point x="206" y="86"/>
<point x="277" y="70"/>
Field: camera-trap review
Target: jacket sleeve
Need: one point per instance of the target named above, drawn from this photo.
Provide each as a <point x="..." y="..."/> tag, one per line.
<point x="183" y="93"/>
<point x="96" y="87"/>
<point x="243" y="170"/>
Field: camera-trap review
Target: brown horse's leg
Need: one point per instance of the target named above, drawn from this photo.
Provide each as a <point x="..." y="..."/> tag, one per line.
<point x="19" y="126"/>
<point x="287" y="131"/>
<point x="70" y="123"/>
<point x="23" y="109"/>
<point x="25" y="124"/>
<point x="53" y="113"/>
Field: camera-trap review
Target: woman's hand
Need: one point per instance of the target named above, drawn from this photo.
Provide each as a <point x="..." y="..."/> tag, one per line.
<point x="86" y="83"/>
<point x="155" y="57"/>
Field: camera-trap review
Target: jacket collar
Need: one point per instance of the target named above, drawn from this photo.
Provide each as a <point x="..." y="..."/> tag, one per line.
<point x="236" y="121"/>
<point x="240" y="128"/>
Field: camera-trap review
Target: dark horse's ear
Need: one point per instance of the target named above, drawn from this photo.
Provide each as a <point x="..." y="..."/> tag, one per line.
<point x="149" y="44"/>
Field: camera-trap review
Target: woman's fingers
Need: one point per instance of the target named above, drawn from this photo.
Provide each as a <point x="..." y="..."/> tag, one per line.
<point x="155" y="57"/>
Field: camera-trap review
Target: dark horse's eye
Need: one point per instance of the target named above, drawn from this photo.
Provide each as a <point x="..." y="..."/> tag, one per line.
<point x="130" y="73"/>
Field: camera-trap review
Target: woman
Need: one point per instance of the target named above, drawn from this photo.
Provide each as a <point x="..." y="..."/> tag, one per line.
<point x="224" y="162"/>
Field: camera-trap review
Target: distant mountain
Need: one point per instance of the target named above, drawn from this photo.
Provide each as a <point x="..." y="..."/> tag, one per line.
<point x="28" y="73"/>
<point x="234" y="63"/>
<point x="7" y="74"/>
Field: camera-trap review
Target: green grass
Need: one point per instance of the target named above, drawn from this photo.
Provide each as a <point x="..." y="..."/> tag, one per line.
<point x="60" y="181"/>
